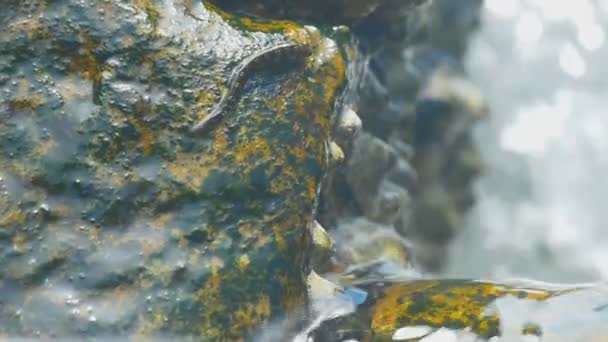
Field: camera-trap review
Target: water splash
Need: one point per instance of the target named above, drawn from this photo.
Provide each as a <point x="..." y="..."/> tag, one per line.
<point x="540" y="212"/>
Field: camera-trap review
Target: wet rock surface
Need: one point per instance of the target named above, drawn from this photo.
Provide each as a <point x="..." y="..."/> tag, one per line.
<point x="318" y="11"/>
<point x="464" y="310"/>
<point x="126" y="211"/>
<point x="116" y="219"/>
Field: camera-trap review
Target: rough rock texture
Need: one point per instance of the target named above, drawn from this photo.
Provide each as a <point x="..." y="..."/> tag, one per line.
<point x="115" y="219"/>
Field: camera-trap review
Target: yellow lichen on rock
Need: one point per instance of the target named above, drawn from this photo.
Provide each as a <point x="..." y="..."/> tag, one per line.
<point x="243" y="262"/>
<point x="444" y="303"/>
<point x="250" y="315"/>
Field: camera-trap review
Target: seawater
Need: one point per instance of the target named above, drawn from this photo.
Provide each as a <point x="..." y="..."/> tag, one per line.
<point x="541" y="208"/>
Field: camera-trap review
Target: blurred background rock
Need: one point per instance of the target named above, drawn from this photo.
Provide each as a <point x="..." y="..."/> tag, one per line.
<point x="412" y="166"/>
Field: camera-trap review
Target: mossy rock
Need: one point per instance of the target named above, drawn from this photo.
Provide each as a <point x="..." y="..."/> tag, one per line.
<point x="412" y="310"/>
<point x="116" y="218"/>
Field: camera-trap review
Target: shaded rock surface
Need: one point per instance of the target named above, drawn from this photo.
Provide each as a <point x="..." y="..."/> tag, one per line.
<point x="318" y="11"/>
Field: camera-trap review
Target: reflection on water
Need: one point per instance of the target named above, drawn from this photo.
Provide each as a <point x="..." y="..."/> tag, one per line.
<point x="540" y="211"/>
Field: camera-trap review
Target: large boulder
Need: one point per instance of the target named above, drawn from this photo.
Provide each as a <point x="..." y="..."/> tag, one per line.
<point x="116" y="218"/>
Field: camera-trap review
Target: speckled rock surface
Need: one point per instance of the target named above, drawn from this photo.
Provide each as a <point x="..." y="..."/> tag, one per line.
<point x="116" y="219"/>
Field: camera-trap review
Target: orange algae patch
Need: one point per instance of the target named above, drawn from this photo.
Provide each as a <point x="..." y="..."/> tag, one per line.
<point x="24" y="100"/>
<point x="250" y="315"/>
<point x="146" y="136"/>
<point x="27" y="103"/>
<point x="258" y="147"/>
<point x="189" y="169"/>
<point x="444" y="304"/>
<point x="85" y="62"/>
<point x="13" y="217"/>
<point x="211" y="298"/>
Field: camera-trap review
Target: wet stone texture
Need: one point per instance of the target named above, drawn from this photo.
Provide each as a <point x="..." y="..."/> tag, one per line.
<point x="317" y="11"/>
<point x="464" y="310"/>
<point x="120" y="217"/>
<point x="117" y="219"/>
